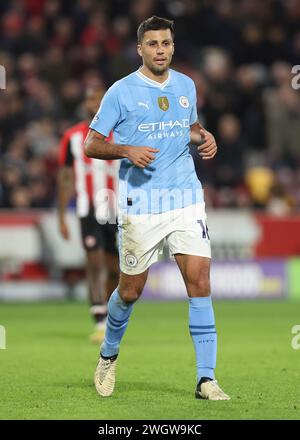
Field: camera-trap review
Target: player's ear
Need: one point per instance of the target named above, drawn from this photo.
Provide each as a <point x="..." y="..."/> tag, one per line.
<point x="173" y="48"/>
<point x="139" y="50"/>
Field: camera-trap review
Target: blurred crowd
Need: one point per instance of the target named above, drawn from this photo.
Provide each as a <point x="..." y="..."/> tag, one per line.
<point x="240" y="54"/>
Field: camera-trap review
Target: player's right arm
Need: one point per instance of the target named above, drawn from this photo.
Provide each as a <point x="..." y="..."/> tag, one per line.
<point x="65" y="185"/>
<point x="110" y="114"/>
<point x="65" y="194"/>
<point x="97" y="147"/>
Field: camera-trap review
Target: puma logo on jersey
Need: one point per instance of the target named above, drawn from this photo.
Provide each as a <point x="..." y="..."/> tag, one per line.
<point x="144" y="104"/>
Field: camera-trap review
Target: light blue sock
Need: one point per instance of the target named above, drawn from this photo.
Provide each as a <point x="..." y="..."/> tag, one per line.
<point x="116" y="324"/>
<point x="203" y="333"/>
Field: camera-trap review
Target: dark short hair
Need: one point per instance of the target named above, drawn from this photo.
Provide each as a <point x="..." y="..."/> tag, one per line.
<point x="154" y="23"/>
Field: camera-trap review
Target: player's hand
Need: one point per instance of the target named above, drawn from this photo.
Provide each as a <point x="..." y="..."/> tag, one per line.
<point x="64" y="230"/>
<point x="141" y="157"/>
<point x="208" y="148"/>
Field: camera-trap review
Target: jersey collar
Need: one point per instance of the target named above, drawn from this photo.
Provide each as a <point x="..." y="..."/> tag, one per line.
<point x="151" y="81"/>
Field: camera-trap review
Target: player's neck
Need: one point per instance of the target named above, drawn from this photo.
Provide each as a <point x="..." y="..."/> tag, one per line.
<point x="158" y="78"/>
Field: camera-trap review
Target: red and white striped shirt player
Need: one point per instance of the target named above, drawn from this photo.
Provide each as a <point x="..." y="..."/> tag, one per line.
<point x="92" y="176"/>
<point x="96" y="210"/>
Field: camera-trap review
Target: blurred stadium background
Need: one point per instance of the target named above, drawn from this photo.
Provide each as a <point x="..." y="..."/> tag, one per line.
<point x="240" y="54"/>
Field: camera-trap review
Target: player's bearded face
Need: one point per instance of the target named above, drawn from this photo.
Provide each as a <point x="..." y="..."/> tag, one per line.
<point x="157" y="49"/>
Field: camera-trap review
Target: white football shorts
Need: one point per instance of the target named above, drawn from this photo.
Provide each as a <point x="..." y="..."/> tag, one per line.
<point x="142" y="237"/>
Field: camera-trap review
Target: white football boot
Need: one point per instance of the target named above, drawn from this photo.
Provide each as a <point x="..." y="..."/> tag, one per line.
<point x="105" y="376"/>
<point x="210" y="390"/>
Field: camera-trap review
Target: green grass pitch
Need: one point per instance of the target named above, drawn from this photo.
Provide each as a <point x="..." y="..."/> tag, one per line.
<point x="48" y="365"/>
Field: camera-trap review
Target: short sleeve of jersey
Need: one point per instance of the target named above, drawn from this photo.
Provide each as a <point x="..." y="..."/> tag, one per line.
<point x="194" y="113"/>
<point x="65" y="154"/>
<point x="109" y="113"/>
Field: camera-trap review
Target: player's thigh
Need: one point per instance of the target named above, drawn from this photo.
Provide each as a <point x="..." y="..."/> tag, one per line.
<point x="131" y="286"/>
<point x="112" y="262"/>
<point x="195" y="271"/>
<point x="91" y="234"/>
<point x="110" y="239"/>
<point x="141" y="243"/>
<point x="189" y="235"/>
<point x="95" y="259"/>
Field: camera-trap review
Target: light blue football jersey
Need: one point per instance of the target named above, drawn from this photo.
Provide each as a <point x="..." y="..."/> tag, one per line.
<point x="143" y="112"/>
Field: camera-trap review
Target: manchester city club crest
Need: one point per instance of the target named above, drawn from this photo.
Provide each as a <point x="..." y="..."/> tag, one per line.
<point x="184" y="102"/>
<point x="163" y="103"/>
<point x="131" y="260"/>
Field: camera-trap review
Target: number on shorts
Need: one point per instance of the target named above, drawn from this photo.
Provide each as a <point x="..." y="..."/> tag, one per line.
<point x="204" y="229"/>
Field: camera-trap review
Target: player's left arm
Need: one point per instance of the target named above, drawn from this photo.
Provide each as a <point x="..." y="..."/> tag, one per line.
<point x="205" y="140"/>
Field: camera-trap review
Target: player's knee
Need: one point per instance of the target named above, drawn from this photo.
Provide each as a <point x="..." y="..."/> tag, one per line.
<point x="94" y="268"/>
<point x="94" y="262"/>
<point x="199" y="286"/>
<point x="130" y="294"/>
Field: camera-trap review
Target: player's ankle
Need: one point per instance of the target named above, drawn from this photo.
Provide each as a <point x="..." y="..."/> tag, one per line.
<point x="109" y="358"/>
<point x="203" y="380"/>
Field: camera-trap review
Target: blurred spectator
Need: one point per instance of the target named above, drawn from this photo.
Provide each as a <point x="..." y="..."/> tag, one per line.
<point x="283" y="125"/>
<point x="230" y="158"/>
<point x="280" y="203"/>
<point x="20" y="198"/>
<point x="260" y="181"/>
